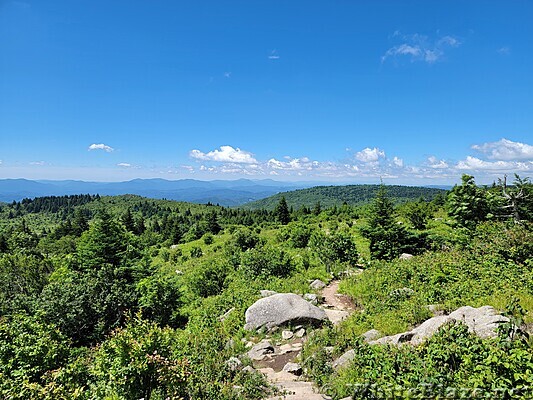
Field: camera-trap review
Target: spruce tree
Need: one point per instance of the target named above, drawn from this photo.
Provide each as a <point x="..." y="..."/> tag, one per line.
<point x="282" y="211"/>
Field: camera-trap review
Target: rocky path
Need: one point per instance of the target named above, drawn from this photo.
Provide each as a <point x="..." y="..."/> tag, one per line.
<point x="337" y="308"/>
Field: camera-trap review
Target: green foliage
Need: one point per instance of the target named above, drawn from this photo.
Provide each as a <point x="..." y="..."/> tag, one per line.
<point x="388" y="239"/>
<point x="104" y="243"/>
<point x="86" y="306"/>
<point x="321" y="197"/>
<point x="139" y="361"/>
<point x="160" y="299"/>
<point x="337" y="247"/>
<point x="467" y="203"/>
<point x="29" y="351"/>
<point x="266" y="261"/>
<point x="418" y="213"/>
<point x="208" y="278"/>
<point x="282" y="212"/>
<point x="22" y="277"/>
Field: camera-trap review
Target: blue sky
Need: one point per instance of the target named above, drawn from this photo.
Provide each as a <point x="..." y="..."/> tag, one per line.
<point x="340" y="91"/>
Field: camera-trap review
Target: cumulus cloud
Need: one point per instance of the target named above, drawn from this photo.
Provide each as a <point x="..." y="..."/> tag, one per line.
<point x="101" y="146"/>
<point x="435" y="163"/>
<point x="418" y="47"/>
<point x="397" y="162"/>
<point x="368" y="155"/>
<point x="476" y="164"/>
<point x="294" y="164"/>
<point x="225" y="154"/>
<point x="506" y="150"/>
<point x="370" y="163"/>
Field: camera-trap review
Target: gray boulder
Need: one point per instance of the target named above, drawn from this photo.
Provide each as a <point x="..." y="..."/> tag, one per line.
<point x="344" y="360"/>
<point x="482" y="321"/>
<point x="317" y="284"/>
<point x="260" y="350"/>
<point x="280" y="309"/>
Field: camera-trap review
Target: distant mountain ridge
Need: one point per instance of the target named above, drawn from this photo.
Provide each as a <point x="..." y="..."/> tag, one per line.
<point x="328" y="196"/>
<point x="226" y="193"/>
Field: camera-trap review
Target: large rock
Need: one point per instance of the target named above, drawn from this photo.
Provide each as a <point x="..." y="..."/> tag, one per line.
<point x="260" y="350"/>
<point x="281" y="309"/>
<point x="482" y="321"/>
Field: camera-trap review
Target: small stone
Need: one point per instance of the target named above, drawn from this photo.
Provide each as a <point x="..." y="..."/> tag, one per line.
<point x="249" y="369"/>
<point x="293" y="368"/>
<point x="229" y="344"/>
<point x="300" y="333"/>
<point x="406" y="256"/>
<point x="260" y="350"/>
<point x="249" y="345"/>
<point x="317" y="284"/>
<point x="345" y="359"/>
<point x="284" y="349"/>
<point x="311" y="298"/>
<point x="286" y="335"/>
<point x="234" y="364"/>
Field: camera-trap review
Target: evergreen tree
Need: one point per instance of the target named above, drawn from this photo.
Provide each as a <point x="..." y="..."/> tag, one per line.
<point x="467" y="203"/>
<point x="128" y="221"/>
<point x="282" y="211"/>
<point x="104" y="243"/>
<point x="387" y="239"/>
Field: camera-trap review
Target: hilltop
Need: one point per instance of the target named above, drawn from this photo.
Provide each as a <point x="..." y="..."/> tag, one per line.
<point x="329" y="196"/>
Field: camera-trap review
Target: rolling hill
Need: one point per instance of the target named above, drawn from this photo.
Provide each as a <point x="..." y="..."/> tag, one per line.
<point x="337" y="195"/>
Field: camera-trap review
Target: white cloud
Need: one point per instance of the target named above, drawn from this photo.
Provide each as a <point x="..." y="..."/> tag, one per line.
<point x="505" y="150"/>
<point x="37" y="163"/>
<point x="124" y="165"/>
<point x="475" y="164"/>
<point x="369" y="155"/>
<point x="418" y="47"/>
<point x="225" y="154"/>
<point x="101" y="146"/>
<point x="293" y="164"/>
<point x="397" y="162"/>
<point x="435" y="163"/>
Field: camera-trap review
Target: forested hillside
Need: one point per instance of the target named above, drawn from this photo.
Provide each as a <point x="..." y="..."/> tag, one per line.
<point x="127" y="297"/>
<point x="329" y="196"/>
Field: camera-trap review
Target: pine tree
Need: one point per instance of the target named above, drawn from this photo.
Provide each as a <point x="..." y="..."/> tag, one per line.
<point x="282" y="211"/>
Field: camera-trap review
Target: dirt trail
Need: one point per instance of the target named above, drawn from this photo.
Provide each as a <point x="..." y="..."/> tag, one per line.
<point x="337" y="308"/>
<point x="336" y="300"/>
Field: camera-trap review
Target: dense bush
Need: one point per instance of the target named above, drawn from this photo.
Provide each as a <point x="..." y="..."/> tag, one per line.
<point x="266" y="261"/>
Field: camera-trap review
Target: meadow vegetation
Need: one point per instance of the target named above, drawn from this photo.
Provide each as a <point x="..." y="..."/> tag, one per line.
<point x="125" y="297"/>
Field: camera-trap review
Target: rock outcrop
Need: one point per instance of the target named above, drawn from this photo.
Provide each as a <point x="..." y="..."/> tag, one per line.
<point x="482" y="321"/>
